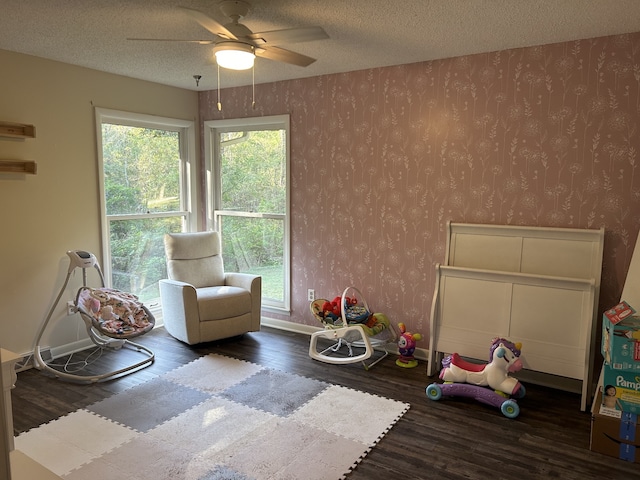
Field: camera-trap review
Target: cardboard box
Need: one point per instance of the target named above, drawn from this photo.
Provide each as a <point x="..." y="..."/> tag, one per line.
<point x="621" y="338"/>
<point x="614" y="433"/>
<point x="618" y="313"/>
<point x="621" y="389"/>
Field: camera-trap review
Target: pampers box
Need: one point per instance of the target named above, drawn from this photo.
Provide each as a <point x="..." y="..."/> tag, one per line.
<point x="621" y="338"/>
<point x="624" y="386"/>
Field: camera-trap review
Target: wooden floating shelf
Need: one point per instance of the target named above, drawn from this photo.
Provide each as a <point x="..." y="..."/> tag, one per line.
<point x="18" y="166"/>
<point x="17" y="130"/>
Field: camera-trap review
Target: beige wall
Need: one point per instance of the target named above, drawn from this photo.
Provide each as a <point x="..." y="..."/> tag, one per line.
<point x="44" y="215"/>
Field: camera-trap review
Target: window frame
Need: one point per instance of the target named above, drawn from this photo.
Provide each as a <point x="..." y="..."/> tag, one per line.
<point x="188" y="174"/>
<point x="212" y="129"/>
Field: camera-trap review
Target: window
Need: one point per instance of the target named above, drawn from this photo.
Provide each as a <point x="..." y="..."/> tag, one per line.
<point x="248" y="199"/>
<point x="146" y="177"/>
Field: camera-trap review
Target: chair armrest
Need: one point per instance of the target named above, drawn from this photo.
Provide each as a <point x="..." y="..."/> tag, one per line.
<point x="180" y="312"/>
<point x="175" y="283"/>
<point x="253" y="283"/>
<point x="242" y="280"/>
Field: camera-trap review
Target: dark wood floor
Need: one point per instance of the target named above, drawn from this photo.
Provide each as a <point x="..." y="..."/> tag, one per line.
<point x="448" y="439"/>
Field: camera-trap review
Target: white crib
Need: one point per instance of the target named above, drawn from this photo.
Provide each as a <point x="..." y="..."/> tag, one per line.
<point x="534" y="285"/>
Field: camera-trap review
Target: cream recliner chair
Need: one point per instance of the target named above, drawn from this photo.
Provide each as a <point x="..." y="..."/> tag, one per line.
<point x="200" y="302"/>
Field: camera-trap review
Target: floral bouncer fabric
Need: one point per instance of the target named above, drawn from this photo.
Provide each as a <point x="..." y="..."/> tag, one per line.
<point x="114" y="312"/>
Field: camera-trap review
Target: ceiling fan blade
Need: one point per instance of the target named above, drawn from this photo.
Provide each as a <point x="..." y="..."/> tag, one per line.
<point x="200" y="42"/>
<point x="281" y="55"/>
<point x="289" y="35"/>
<point x="209" y="23"/>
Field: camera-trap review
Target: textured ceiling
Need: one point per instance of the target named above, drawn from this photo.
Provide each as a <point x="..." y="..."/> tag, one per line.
<point x="363" y="33"/>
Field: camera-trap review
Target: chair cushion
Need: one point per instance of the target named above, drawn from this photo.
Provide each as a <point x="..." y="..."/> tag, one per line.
<point x="195" y="258"/>
<point x="216" y="303"/>
<point x="191" y="246"/>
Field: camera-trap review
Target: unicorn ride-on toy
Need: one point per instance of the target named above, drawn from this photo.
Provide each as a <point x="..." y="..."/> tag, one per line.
<point x="487" y="383"/>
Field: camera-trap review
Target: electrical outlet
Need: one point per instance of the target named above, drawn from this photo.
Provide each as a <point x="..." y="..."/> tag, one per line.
<point x="71" y="308"/>
<point x="311" y="294"/>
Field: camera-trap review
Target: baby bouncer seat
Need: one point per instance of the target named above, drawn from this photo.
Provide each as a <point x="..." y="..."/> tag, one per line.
<point x="111" y="317"/>
<point x="353" y="332"/>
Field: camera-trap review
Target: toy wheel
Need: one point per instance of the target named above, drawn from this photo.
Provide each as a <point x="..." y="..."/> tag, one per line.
<point x="521" y="393"/>
<point x="434" y="392"/>
<point x="510" y="409"/>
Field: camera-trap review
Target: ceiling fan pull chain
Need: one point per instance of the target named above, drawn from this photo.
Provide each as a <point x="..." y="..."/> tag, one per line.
<point x="219" y="104"/>
<point x="253" y="87"/>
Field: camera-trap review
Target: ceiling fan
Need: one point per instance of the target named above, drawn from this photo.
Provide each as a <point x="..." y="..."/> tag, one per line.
<point x="235" y="45"/>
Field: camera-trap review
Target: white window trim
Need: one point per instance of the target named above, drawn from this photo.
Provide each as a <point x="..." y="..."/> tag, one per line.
<point x="186" y="128"/>
<point x="212" y="170"/>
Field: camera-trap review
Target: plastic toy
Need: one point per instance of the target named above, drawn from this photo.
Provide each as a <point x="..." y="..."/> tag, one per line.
<point x="406" y="347"/>
<point x="332" y="310"/>
<point x="507" y="406"/>
<point x="504" y="358"/>
<point x="356" y="327"/>
<point x="487" y="383"/>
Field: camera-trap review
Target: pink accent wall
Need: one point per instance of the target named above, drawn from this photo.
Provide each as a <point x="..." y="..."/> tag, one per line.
<point x="382" y="158"/>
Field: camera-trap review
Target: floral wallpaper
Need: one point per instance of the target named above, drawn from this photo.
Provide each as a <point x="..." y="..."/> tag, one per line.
<point x="383" y="158"/>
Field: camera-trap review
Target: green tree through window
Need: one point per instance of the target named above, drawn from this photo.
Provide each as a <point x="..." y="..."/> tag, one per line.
<point x="144" y="197"/>
<point x="250" y="195"/>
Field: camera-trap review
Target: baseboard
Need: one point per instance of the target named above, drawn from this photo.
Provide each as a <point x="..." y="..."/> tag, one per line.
<point x="26" y="359"/>
<point x="51" y="353"/>
<point x="285" y="325"/>
<point x="71" y="348"/>
<point x="288" y="326"/>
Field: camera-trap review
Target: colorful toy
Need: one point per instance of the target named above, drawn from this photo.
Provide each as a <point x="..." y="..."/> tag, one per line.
<point x="356" y="328"/>
<point x="504" y="358"/>
<point x="406" y="347"/>
<point x="487" y="383"/>
<point x="332" y="310"/>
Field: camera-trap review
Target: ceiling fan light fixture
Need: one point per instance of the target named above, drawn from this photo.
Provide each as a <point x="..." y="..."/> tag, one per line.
<point x="234" y="55"/>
